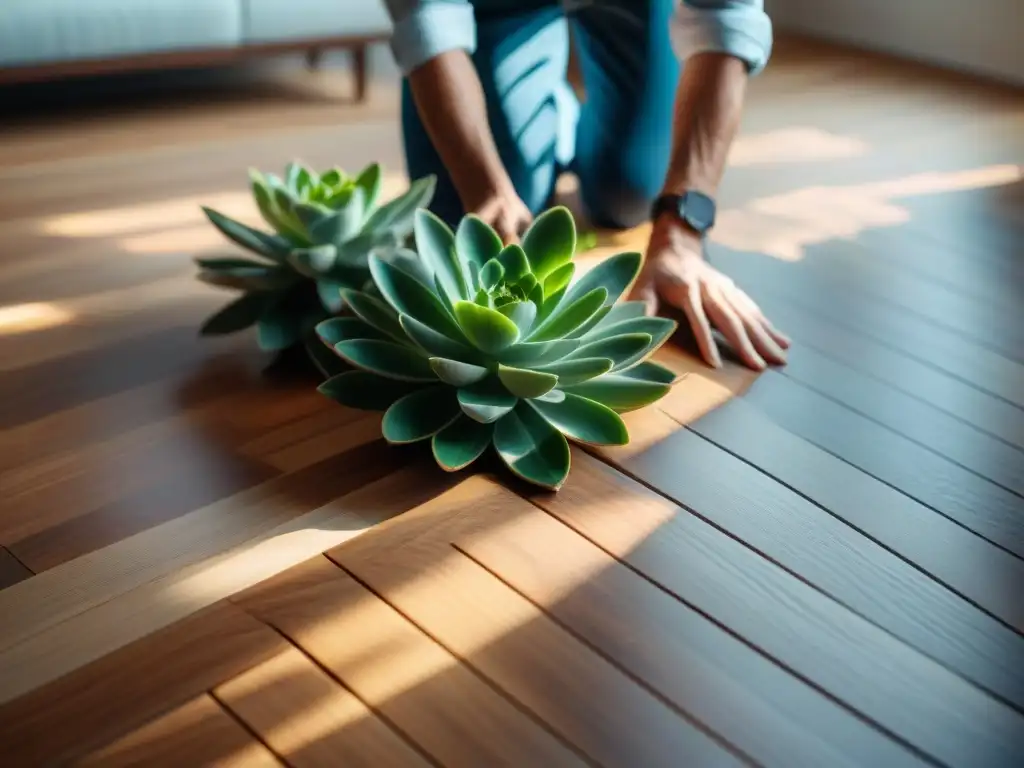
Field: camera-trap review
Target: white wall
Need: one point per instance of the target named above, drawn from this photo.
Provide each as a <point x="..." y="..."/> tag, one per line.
<point x="982" y="36"/>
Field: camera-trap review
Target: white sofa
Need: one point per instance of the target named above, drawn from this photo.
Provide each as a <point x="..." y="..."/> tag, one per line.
<point x="44" y="39"/>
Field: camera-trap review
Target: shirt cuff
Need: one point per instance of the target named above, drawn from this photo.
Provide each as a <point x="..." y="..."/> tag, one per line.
<point x="741" y="29"/>
<point x="430" y="30"/>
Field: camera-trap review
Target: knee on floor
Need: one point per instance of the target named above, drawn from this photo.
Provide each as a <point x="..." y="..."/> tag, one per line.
<point x="616" y="201"/>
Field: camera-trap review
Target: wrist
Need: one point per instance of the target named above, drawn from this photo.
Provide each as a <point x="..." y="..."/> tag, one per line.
<point x="674" y="233"/>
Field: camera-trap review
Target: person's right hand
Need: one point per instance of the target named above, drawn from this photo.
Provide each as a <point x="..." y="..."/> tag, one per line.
<point x="506" y="213"/>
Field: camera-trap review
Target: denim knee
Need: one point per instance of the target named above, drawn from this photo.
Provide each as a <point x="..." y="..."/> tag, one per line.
<point x="615" y="202"/>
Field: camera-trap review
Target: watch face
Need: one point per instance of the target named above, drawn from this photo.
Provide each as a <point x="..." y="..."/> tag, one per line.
<point x="698" y="210"/>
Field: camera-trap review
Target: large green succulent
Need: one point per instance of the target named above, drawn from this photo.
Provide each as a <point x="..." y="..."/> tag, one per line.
<point x="324" y="226"/>
<point x="477" y="344"/>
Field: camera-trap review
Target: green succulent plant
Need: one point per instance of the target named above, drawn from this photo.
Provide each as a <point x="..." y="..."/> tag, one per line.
<point x="476" y="344"/>
<point x="324" y="227"/>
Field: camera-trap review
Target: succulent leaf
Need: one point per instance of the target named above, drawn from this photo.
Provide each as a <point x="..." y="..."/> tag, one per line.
<point x="522" y="313"/>
<point x="617" y="348"/>
<point x="624" y="310"/>
<point x="461" y="443"/>
<point x="314" y="262"/>
<point x="375" y="312"/>
<point x="550" y="241"/>
<point x="534" y="353"/>
<point x="571" y="372"/>
<point x="567" y="318"/>
<point x="650" y="371"/>
<point x="420" y="414"/>
<point x="491" y="274"/>
<point x="487" y="329"/>
<point x="240" y="314"/>
<point x="456" y="372"/>
<point x="435" y="243"/>
<point x="621" y="392"/>
<point x="559" y="279"/>
<point x="365" y="391"/>
<point x="435" y="343"/>
<point x="278" y="329"/>
<point x="531" y="448"/>
<point x="254" y="278"/>
<point x="338" y="329"/>
<point x="486" y="401"/>
<point x="587" y="421"/>
<point x="476" y="242"/>
<point x="526" y="383"/>
<point x="615" y="274"/>
<point x="408" y="296"/>
<point x="386" y="359"/>
<point x="329" y="292"/>
<point x="368" y="182"/>
<point x="516" y="265"/>
<point x="397" y="215"/>
<point x="270" y="246"/>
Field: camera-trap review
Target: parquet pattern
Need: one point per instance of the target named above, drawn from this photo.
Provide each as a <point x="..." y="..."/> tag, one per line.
<point x="206" y="563"/>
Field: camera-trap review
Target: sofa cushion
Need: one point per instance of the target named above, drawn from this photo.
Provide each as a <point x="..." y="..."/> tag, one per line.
<point x="268" y="21"/>
<point x="45" y="31"/>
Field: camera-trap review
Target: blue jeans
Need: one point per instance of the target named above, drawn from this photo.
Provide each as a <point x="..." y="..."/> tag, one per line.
<point x="617" y="141"/>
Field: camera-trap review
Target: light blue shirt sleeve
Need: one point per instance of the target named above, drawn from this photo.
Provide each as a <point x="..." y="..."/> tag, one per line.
<point x="424" y="29"/>
<point x="740" y="28"/>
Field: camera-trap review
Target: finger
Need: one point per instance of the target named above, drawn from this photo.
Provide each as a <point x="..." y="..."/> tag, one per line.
<point x="748" y="306"/>
<point x="729" y="323"/>
<point x="765" y="345"/>
<point x="506" y="229"/>
<point x="643" y="290"/>
<point x="687" y="297"/>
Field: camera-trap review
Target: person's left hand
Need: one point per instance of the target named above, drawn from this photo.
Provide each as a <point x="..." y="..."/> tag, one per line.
<point x="676" y="272"/>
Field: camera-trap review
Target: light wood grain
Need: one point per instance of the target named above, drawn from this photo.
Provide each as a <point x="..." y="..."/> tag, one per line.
<point x="197" y="733"/>
<point x="309" y="719"/>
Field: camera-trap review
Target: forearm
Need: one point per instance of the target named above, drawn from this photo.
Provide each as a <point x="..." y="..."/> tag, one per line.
<point x="709" y="106"/>
<point x="451" y="104"/>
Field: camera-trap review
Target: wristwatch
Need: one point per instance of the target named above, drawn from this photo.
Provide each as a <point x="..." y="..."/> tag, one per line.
<point x="694" y="209"/>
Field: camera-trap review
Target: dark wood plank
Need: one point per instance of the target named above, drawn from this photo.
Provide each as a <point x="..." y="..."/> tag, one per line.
<point x="413" y="683"/>
<point x="189" y="480"/>
<point x="579" y="694"/>
<point x="824" y="285"/>
<point x="724" y="684"/>
<point x="12" y="570"/>
<point x="980" y="572"/>
<point x="197" y="733"/>
<point x="817" y="547"/>
<point x="976" y="503"/>
<point x="966" y="402"/>
<point x="104" y="700"/>
<point x="860" y="664"/>
<point x="921" y="422"/>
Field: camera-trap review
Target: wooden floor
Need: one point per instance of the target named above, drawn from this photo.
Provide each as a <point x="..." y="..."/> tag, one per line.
<point x="819" y="566"/>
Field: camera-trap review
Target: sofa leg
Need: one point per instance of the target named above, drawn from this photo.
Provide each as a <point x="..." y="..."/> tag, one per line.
<point x="360" y="71"/>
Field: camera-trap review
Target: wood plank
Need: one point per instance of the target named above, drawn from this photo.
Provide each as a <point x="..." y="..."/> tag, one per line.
<point x="906" y="693"/>
<point x="980" y="572"/>
<point x="308" y="719"/>
<point x="768" y="714"/>
<point x="972" y="501"/>
<point x="120" y="692"/>
<point x="12" y="570"/>
<point x="508" y="641"/>
<point x="196" y="733"/>
<point x="926" y="425"/>
<point x="420" y="688"/>
<point x="820" y="286"/>
<point x="187" y="588"/>
<point x="941" y="390"/>
<point x="206" y="533"/>
<point x="823" y="551"/>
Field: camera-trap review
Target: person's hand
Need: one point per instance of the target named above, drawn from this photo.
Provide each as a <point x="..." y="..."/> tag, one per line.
<point x="675" y="272"/>
<point x="505" y="212"/>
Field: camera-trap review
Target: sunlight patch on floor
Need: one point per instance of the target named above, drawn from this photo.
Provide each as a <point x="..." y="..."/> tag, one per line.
<point x="25" y="318"/>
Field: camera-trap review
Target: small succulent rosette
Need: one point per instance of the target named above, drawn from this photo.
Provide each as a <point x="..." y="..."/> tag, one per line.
<point x="323" y="229"/>
<point x="477" y="344"/>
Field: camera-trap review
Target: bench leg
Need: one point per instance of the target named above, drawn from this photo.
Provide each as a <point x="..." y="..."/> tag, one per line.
<point x="360" y="70"/>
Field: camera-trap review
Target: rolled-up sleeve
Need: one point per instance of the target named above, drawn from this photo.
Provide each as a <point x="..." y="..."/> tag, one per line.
<point x="740" y="28"/>
<point x="423" y="29"/>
